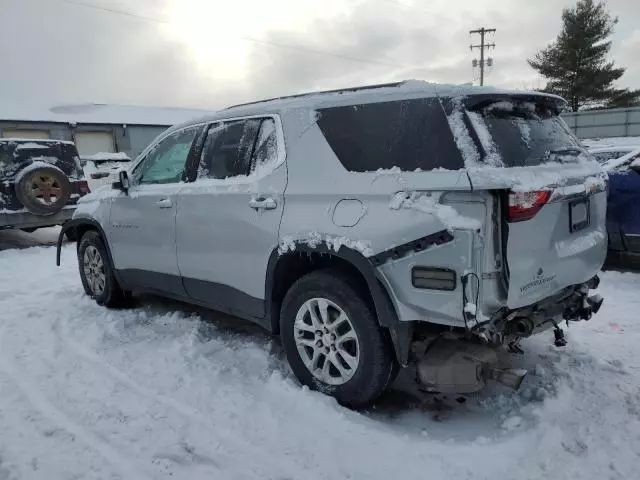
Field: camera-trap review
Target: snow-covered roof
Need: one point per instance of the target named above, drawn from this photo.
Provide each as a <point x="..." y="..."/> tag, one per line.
<point x="406" y="89"/>
<point x="97" y="113"/>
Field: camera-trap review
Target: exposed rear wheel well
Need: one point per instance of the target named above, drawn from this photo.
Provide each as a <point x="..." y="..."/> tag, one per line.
<point x="294" y="265"/>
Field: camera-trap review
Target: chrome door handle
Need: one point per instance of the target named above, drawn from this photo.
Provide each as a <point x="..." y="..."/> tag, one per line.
<point x="262" y="203"/>
<point x="164" y="203"/>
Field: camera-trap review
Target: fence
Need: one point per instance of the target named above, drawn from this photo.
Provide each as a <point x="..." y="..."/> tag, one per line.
<point x="616" y="122"/>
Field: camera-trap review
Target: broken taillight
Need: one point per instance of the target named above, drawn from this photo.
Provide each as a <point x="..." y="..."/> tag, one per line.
<point x="525" y="205"/>
<point x="83" y="187"/>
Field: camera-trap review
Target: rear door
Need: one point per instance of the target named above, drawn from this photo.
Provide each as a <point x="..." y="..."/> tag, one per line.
<point x="228" y="219"/>
<point x="142" y="224"/>
<point x="553" y="196"/>
<point x="623" y="209"/>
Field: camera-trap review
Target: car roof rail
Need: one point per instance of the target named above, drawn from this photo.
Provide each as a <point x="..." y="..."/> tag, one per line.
<point x="322" y="92"/>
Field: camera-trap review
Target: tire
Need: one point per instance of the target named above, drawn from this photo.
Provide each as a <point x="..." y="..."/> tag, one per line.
<point x="93" y="263"/>
<point x="374" y="365"/>
<point x="43" y="190"/>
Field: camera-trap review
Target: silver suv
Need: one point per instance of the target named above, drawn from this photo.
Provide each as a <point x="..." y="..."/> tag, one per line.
<point x="398" y="225"/>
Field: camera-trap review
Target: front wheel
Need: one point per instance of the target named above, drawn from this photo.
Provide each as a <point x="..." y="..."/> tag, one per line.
<point x="332" y="340"/>
<point x="96" y="272"/>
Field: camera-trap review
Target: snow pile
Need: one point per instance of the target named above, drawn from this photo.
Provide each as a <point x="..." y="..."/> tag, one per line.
<point x="165" y="391"/>
<point x="569" y="248"/>
<point x="314" y="239"/>
<point x="611" y="142"/>
<point x="31" y="146"/>
<point x="421" y="202"/>
<point x="535" y="177"/>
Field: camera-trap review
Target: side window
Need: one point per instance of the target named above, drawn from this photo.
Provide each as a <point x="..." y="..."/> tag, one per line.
<point x="166" y="162"/>
<point x="266" y="150"/>
<point x="228" y="149"/>
<point x="407" y="134"/>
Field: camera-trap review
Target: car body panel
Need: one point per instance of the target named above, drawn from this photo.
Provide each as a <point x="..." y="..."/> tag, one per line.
<point x="623" y="211"/>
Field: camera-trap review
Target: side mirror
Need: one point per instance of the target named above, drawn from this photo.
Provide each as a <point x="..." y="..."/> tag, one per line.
<point x="123" y="181"/>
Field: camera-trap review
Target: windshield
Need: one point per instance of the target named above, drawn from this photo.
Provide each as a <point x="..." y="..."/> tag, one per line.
<point x="527" y="134"/>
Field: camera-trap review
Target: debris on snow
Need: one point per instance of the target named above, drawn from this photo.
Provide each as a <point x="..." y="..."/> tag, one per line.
<point x="448" y="215"/>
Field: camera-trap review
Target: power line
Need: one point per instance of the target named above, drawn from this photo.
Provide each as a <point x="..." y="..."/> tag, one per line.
<point x="482" y="31"/>
<point x="244" y="37"/>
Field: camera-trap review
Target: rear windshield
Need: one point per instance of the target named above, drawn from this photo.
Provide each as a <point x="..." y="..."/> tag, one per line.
<point x="526" y="134"/>
<point x="408" y="134"/>
<point x="15" y="155"/>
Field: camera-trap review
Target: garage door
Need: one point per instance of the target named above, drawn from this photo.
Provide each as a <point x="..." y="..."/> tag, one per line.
<point x="20" y="133"/>
<point x="89" y="143"/>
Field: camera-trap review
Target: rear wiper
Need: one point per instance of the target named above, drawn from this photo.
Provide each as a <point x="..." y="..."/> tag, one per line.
<point x="566" y="151"/>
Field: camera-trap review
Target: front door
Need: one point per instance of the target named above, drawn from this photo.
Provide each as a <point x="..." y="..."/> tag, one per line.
<point x="228" y="219"/>
<point x="142" y="225"/>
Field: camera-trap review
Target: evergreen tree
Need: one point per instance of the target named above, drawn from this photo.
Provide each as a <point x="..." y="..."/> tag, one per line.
<point x="576" y="65"/>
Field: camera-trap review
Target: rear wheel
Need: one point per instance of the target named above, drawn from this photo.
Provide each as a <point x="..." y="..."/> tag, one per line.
<point x="96" y="272"/>
<point x="332" y="340"/>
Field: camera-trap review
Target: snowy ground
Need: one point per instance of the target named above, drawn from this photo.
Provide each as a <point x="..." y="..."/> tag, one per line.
<point x="162" y="391"/>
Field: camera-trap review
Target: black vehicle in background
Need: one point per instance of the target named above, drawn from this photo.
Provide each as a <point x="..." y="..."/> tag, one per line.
<point x="40" y="183"/>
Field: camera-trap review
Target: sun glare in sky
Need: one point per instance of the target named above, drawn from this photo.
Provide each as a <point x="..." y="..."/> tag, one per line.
<point x="220" y="34"/>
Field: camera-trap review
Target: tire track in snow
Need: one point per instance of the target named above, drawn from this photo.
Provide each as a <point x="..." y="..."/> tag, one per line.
<point x="44" y="406"/>
<point x="61" y="329"/>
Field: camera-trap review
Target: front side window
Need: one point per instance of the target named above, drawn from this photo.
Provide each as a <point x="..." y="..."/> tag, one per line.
<point x="166" y="162"/>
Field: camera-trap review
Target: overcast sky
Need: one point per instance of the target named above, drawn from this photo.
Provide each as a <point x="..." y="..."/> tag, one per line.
<point x="211" y="53"/>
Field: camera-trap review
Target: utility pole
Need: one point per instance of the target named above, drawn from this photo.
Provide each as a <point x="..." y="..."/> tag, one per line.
<point x="482" y="31"/>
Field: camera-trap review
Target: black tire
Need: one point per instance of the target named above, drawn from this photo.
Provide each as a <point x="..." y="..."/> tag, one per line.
<point x="112" y="295"/>
<point x="375" y="364"/>
<point x="43" y="190"/>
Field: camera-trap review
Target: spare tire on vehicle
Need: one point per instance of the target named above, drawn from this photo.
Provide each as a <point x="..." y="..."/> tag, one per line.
<point x="43" y="189"/>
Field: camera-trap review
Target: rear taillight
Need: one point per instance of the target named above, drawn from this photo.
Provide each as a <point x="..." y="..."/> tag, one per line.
<point x="83" y="187"/>
<point x="525" y="205"/>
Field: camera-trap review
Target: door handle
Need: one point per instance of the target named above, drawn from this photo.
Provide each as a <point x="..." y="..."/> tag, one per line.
<point x="262" y="203"/>
<point x="164" y="203"/>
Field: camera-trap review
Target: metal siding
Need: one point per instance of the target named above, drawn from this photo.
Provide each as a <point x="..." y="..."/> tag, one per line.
<point x="141" y="136"/>
<point x="618" y="122"/>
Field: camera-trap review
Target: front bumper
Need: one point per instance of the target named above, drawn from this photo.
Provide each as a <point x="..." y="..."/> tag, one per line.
<point x="25" y="219"/>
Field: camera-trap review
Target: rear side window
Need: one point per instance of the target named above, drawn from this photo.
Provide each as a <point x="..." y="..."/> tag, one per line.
<point x="238" y="147"/>
<point x="409" y="134"/>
